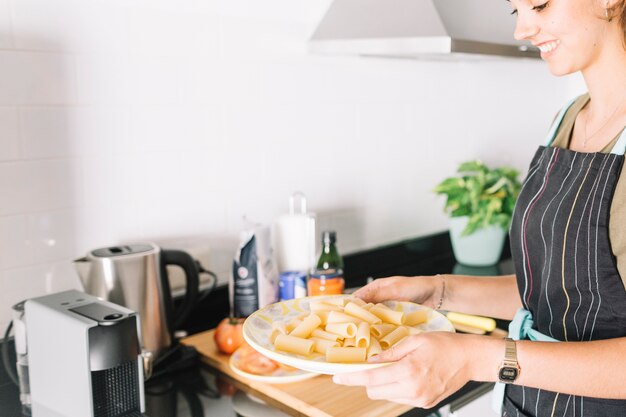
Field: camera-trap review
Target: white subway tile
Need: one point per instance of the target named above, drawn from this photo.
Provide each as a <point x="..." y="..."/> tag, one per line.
<point x="200" y="6"/>
<point x="105" y="28"/>
<point x="69" y="131"/>
<point x="294" y="81"/>
<point x="100" y="226"/>
<point x="166" y="33"/>
<point x="275" y="124"/>
<point x="163" y="195"/>
<point x="204" y="81"/>
<point x="52" y="235"/>
<point x="161" y="128"/>
<point x="6" y="27"/>
<point x="156" y="81"/>
<point x="36" y="78"/>
<point x="273" y="10"/>
<point x="46" y="132"/>
<point x="70" y="26"/>
<point x="9" y="142"/>
<point x="111" y="184"/>
<point x="101" y="130"/>
<point x="38" y="185"/>
<point x="15" y="246"/>
<point x="61" y="276"/>
<point x="250" y="40"/>
<point x="10" y="78"/>
<point x="109" y="180"/>
<point x="201" y="179"/>
<point x="38" y="280"/>
<point x="103" y="79"/>
<point x="48" y="26"/>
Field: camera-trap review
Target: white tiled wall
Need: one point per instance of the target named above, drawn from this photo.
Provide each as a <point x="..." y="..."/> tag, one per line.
<point x="123" y="120"/>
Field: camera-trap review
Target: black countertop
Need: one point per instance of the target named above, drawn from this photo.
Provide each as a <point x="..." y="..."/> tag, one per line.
<point x="197" y="391"/>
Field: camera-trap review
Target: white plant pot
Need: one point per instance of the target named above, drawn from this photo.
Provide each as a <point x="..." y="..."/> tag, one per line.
<point x="481" y="248"/>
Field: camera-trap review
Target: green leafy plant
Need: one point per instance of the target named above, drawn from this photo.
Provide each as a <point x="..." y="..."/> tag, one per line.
<point x="487" y="196"/>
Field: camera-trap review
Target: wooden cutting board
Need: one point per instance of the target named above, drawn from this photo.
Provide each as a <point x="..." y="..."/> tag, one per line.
<point x="315" y="397"/>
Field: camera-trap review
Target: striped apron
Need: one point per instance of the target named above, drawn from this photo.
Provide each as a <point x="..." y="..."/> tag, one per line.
<point x="567" y="276"/>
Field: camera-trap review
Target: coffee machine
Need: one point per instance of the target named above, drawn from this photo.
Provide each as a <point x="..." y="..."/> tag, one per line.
<point x="84" y="357"/>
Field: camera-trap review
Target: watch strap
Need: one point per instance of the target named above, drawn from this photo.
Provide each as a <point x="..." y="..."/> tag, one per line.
<point x="510" y="350"/>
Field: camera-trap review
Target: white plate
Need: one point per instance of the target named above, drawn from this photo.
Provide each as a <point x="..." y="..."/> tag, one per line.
<point x="279" y="376"/>
<point x="257" y="329"/>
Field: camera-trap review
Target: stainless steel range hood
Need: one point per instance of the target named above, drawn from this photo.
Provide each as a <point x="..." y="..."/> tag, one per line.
<point x="419" y="29"/>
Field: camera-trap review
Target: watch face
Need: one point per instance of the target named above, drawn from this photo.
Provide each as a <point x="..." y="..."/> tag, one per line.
<point x="508" y="374"/>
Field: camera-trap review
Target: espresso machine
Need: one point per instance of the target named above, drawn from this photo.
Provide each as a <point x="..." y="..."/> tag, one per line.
<point x="83" y="357"/>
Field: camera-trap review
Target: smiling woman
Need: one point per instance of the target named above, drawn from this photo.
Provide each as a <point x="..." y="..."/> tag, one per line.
<point x="567" y="243"/>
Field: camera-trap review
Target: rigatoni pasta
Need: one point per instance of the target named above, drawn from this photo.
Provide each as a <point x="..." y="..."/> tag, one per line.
<point x="374" y="348"/>
<point x="322" y="334"/>
<point x="294" y="344"/>
<point x="361" y="313"/>
<point x="322" y="345"/>
<point x="306" y="327"/>
<point x="380" y="330"/>
<point x="339" y="317"/>
<point x="323" y="306"/>
<point x="363" y="335"/>
<point x="394" y="337"/>
<point x="345" y="330"/>
<point x="387" y="315"/>
<point x="345" y="354"/>
<point x="277" y="328"/>
<point x="342" y="329"/>
<point x="292" y="324"/>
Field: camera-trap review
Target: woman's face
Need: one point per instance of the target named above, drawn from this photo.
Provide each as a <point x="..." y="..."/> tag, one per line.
<point x="570" y="33"/>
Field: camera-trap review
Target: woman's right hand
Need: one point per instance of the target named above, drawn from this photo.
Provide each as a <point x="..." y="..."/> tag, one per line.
<point x="422" y="290"/>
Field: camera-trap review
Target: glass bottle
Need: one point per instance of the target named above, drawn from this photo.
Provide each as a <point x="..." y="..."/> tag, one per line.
<point x="327" y="277"/>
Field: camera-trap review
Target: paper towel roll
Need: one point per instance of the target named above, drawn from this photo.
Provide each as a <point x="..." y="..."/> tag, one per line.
<point x="294" y="238"/>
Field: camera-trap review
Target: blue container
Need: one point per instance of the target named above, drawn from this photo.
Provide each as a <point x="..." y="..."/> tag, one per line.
<point x="292" y="285"/>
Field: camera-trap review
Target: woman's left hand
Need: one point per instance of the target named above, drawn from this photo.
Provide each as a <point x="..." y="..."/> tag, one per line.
<point x="428" y="368"/>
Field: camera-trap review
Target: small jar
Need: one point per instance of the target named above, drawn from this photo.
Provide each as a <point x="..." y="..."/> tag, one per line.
<point x="325" y="282"/>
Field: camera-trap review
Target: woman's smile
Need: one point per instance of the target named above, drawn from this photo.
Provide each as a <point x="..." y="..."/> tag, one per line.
<point x="548" y="48"/>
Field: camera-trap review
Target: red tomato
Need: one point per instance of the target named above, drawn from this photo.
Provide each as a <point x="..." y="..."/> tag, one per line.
<point x="229" y="335"/>
<point x="255" y="363"/>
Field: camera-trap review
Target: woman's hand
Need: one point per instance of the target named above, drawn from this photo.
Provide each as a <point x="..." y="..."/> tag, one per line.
<point x="428" y="368"/>
<point x="421" y="290"/>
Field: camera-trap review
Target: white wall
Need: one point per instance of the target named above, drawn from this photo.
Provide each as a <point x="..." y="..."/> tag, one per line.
<point x="125" y="120"/>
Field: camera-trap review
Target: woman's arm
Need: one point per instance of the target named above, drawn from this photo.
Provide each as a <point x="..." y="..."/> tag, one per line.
<point x="591" y="369"/>
<point x="431" y="366"/>
<point x="484" y="296"/>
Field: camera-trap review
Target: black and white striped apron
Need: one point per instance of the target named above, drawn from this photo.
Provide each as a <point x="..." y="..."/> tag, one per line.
<point x="566" y="271"/>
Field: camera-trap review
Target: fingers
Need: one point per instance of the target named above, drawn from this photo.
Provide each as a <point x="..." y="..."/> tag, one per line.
<point x="381" y="289"/>
<point x="418" y="402"/>
<point x="368" y="293"/>
<point x="388" y="391"/>
<point x="397" y="351"/>
<point x="378" y="376"/>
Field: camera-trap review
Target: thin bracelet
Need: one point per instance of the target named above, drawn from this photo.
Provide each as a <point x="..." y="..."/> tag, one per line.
<point x="443" y="292"/>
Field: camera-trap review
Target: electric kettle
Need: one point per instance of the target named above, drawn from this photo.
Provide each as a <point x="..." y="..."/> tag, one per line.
<point x="135" y="277"/>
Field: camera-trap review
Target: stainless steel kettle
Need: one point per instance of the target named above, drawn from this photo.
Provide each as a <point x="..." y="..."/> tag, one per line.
<point x="135" y="276"/>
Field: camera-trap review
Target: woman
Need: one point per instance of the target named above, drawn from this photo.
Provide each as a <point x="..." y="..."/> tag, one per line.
<point x="568" y="246"/>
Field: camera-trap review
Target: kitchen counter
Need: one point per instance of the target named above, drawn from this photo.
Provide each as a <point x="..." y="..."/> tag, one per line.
<point x="204" y="392"/>
<point x="195" y="392"/>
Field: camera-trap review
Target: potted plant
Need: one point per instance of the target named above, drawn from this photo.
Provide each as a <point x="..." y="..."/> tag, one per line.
<point x="480" y="202"/>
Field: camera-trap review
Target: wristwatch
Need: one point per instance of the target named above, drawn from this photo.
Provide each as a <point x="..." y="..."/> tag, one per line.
<point x="509" y="369"/>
